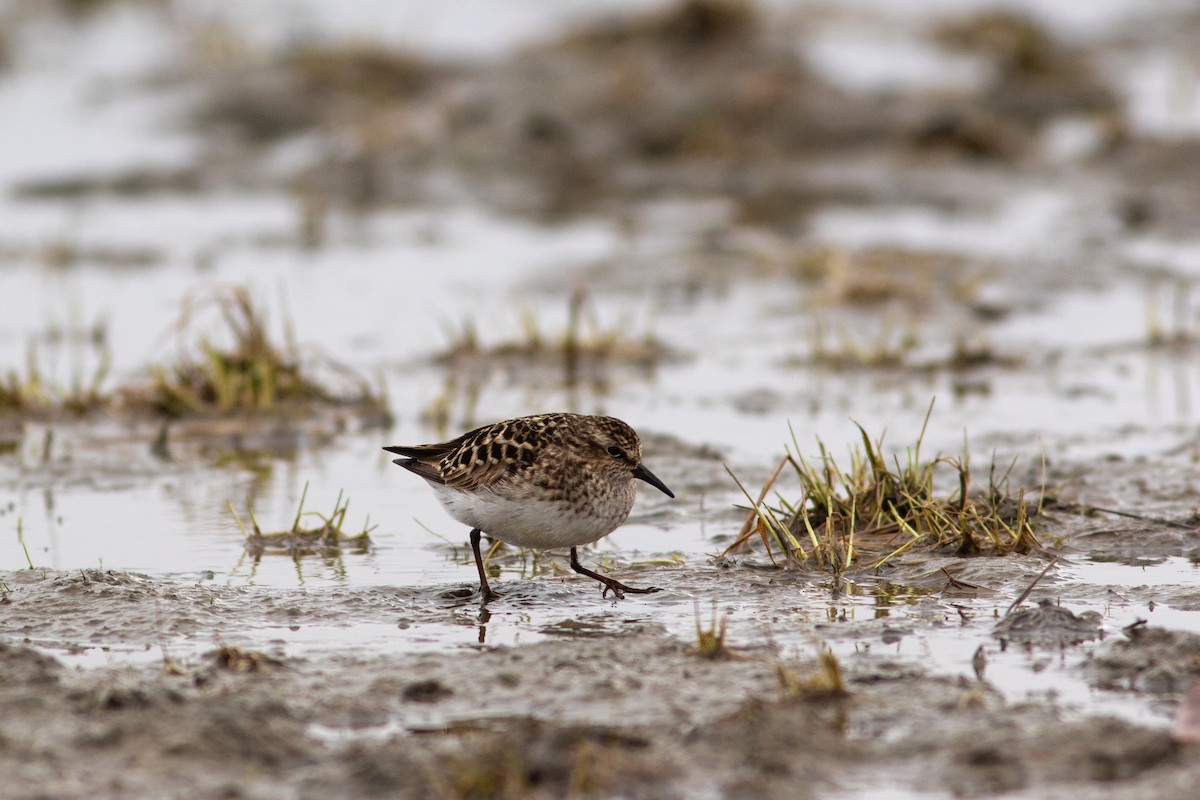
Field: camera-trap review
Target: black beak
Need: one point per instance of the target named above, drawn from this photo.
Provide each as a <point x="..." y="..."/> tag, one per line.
<point x="643" y="474"/>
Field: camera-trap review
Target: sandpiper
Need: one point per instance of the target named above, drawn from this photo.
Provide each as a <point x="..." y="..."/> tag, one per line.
<point x="549" y="480"/>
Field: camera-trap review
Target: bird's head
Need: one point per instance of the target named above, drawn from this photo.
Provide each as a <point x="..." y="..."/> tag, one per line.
<point x="619" y="444"/>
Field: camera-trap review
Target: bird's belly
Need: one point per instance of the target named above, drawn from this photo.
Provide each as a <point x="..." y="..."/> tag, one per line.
<point x="527" y="522"/>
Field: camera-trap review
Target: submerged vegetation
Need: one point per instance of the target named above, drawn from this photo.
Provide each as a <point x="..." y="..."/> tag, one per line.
<point x="891" y="346"/>
<point x="870" y="512"/>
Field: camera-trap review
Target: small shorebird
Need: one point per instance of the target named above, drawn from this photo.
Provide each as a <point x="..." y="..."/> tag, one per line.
<point x="550" y="480"/>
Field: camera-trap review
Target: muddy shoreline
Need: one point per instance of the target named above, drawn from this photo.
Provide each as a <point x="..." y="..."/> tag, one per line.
<point x="195" y="686"/>
<point x="633" y="712"/>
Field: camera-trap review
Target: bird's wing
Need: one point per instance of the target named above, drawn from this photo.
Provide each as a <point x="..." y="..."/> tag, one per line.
<point x="474" y="461"/>
<point x="427" y="471"/>
<point x="424" y="452"/>
<point x="423" y="459"/>
<point x="483" y="462"/>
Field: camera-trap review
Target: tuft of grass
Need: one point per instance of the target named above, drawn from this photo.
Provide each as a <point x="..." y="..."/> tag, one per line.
<point x="878" y="275"/>
<point x="826" y="682"/>
<point x="869" y="512"/>
<point x="710" y="642"/>
<point x="33" y="393"/>
<point x="582" y="341"/>
<point x="582" y="355"/>
<point x="893" y="348"/>
<point x="235" y="659"/>
<point x="362" y="70"/>
<point x="327" y="538"/>
<point x="253" y="374"/>
<point x="889" y="350"/>
<point x="1181" y="333"/>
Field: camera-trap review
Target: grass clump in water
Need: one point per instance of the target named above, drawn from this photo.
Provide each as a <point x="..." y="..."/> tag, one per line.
<point x="825" y="682"/>
<point x="583" y="341"/>
<point x="326" y="539"/>
<point x="868" y="513"/>
<point x="235" y="659"/>
<point x="254" y="374"/>
<point x="358" y="69"/>
<point x="878" y="275"/>
<point x="33" y="393"/>
<point x="710" y="642"/>
<point x="889" y="350"/>
<point x="584" y="355"/>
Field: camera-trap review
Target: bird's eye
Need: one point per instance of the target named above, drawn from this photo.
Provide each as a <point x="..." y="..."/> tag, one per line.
<point x="615" y="452"/>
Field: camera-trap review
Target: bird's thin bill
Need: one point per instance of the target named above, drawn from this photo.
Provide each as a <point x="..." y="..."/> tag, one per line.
<point x="649" y="477"/>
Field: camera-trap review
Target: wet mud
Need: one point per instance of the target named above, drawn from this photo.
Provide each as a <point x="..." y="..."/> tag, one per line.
<point x="635" y="712"/>
<point x="197" y="684"/>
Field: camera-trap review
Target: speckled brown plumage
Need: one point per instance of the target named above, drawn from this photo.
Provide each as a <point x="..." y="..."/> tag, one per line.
<point x="549" y="480"/>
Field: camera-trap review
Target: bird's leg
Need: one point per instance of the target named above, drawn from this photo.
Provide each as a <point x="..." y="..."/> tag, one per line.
<point x="610" y="584"/>
<point x="486" y="590"/>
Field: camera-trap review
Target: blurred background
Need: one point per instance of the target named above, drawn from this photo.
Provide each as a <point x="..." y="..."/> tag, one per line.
<point x="729" y="223"/>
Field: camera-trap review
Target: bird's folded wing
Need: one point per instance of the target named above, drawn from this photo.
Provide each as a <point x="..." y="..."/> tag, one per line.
<point x="427" y="471"/>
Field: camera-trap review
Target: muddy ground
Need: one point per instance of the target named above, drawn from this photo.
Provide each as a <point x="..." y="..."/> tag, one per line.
<point x="203" y="696"/>
<point x="936" y="675"/>
<point x="633" y="712"/>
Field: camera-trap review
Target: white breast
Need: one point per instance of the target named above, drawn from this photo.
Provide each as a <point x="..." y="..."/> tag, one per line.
<point x="528" y="522"/>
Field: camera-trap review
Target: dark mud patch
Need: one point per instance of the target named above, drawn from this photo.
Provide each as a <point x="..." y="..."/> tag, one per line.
<point x="1148" y="659"/>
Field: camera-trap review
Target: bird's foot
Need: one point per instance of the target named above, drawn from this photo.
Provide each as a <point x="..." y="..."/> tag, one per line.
<point x="610" y="584"/>
<point x="619" y="589"/>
